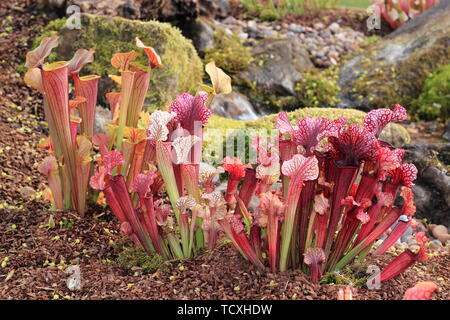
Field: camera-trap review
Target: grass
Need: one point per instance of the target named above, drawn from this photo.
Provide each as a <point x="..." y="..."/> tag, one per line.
<point x="360" y="4"/>
<point x="276" y="9"/>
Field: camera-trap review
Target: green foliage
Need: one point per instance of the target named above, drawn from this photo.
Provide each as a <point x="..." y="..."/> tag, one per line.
<point x="434" y="101"/>
<point x="273" y="10"/>
<point x="382" y="85"/>
<point x="347" y="276"/>
<point x="318" y="89"/>
<point x="136" y="257"/>
<point x="229" y="53"/>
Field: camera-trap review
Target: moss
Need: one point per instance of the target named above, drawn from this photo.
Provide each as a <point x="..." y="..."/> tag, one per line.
<point x="268" y="14"/>
<point x="434" y="101"/>
<point x="136" y="257"/>
<point x="228" y="53"/>
<point x="225" y="129"/>
<point x="318" y="88"/>
<point x="384" y="85"/>
<point x="182" y="68"/>
<point x="267" y="122"/>
<point x="353" y="276"/>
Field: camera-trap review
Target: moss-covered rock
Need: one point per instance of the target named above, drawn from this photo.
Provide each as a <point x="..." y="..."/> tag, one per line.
<point x="434" y="101"/>
<point x="182" y="68"/>
<point x="393" y="70"/>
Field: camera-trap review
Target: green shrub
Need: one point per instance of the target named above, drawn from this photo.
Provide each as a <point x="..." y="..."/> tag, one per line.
<point x="228" y="53"/>
<point x="434" y="101"/>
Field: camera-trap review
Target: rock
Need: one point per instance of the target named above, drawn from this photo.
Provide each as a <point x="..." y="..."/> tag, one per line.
<point x="401" y="246"/>
<point x="396" y="135"/>
<point x="333" y="54"/>
<point x="440" y="232"/>
<point x="318" y="26"/>
<point x="334" y="27"/>
<point x="422" y="197"/>
<point x="229" y="20"/>
<point x="27" y="192"/>
<point x="243" y="36"/>
<point x="296" y="28"/>
<point x="393" y="69"/>
<point x="446" y="134"/>
<point x="234" y="106"/>
<point x="320" y="54"/>
<point x="432" y="188"/>
<point x="200" y="31"/>
<point x="52" y="4"/>
<point x="123" y="8"/>
<point x="282" y="62"/>
<point x="182" y="69"/>
<point x="435" y="245"/>
<point x="102" y="119"/>
<point x="407" y="236"/>
<point x="129" y="10"/>
<point x="179" y="10"/>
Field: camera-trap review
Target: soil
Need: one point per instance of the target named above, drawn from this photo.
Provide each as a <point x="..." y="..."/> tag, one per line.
<point x="352" y="18"/>
<point x="37" y="245"/>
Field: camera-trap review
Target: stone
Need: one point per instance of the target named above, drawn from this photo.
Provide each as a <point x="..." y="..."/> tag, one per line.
<point x="182" y="69"/>
<point x="320" y="54"/>
<point x="446" y="134"/>
<point x="229" y="20"/>
<point x="200" y="31"/>
<point x="179" y="10"/>
<point x="243" y="36"/>
<point x="27" y="192"/>
<point x="396" y="135"/>
<point x="102" y="119"/>
<point x="333" y="54"/>
<point x="440" y="232"/>
<point x="282" y="62"/>
<point x="407" y="236"/>
<point x="334" y="27"/>
<point x="318" y="26"/>
<point x="296" y="28"/>
<point x="233" y="105"/>
<point x="123" y="8"/>
<point x="432" y="190"/>
<point x="435" y="245"/>
<point x="422" y="197"/>
<point x="393" y="69"/>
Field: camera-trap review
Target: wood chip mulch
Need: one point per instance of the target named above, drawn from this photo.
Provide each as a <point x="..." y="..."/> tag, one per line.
<point x="35" y="250"/>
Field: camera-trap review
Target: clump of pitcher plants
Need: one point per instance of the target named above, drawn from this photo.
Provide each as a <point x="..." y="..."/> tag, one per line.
<point x="321" y="193"/>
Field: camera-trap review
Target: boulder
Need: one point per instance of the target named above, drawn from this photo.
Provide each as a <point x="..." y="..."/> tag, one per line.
<point x="200" y="31"/>
<point x="432" y="190"/>
<point x="123" y="8"/>
<point x="233" y="105"/>
<point x="172" y="10"/>
<point x="182" y="69"/>
<point x="393" y="70"/>
<point x="277" y="65"/>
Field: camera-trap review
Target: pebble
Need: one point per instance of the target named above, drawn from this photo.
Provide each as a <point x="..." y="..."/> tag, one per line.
<point x="243" y="36"/>
<point x="320" y="54"/>
<point x="230" y="20"/>
<point x="319" y="26"/>
<point x="334" y="27"/>
<point x="325" y="43"/>
<point x="435" y="245"/>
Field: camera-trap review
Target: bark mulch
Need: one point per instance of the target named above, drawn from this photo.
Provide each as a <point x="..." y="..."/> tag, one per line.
<point x="35" y="249"/>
